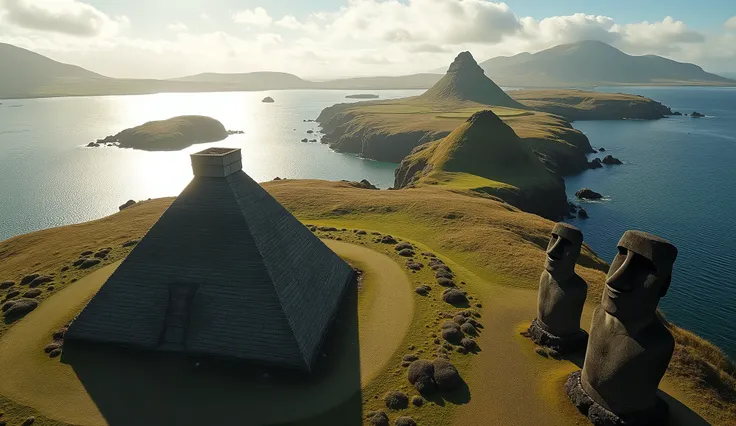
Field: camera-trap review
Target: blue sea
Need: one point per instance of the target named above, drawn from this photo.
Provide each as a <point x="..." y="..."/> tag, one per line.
<point x="677" y="180"/>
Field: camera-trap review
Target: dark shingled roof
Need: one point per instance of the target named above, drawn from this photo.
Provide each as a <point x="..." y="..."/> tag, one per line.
<point x="226" y="271"/>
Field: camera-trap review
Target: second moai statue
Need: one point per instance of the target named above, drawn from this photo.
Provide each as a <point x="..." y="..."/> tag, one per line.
<point x="629" y="347"/>
<point x="561" y="294"/>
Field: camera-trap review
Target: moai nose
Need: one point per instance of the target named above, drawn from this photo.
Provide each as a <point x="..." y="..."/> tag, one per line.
<point x="618" y="279"/>
<point x="557" y="249"/>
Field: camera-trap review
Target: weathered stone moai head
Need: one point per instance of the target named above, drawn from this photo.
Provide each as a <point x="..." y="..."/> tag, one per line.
<point x="563" y="251"/>
<point x="639" y="276"/>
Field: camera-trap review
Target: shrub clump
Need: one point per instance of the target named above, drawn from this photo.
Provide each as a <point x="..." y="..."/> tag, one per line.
<point x="28" y="278"/>
<point x="6" y="284"/>
<point x="130" y="243"/>
<point x="11" y="294"/>
<point x="43" y="279"/>
<point x="327" y="228"/>
<point x="443" y="273"/>
<point x="404" y="245"/>
<point x="446" y="375"/>
<point x="414" y="266"/>
<point x="396" y="400"/>
<point x="405" y="421"/>
<point x="421" y="375"/>
<point x="417" y="401"/>
<point x="454" y="296"/>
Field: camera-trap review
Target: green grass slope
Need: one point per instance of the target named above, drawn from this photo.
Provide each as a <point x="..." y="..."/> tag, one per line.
<point x="484" y="154"/>
<point x="466" y="81"/>
<point x="172" y="134"/>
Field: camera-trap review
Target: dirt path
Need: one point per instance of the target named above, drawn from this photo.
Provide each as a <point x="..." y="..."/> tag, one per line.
<point x="130" y="387"/>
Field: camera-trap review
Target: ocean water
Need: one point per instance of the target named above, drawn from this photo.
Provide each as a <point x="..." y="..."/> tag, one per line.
<point x="678" y="181"/>
<point x="48" y="178"/>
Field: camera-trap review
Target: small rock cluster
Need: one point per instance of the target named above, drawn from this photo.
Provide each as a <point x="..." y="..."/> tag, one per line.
<point x="55" y="348"/>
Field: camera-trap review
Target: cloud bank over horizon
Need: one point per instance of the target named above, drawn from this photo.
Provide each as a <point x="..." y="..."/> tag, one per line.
<point x="362" y="37"/>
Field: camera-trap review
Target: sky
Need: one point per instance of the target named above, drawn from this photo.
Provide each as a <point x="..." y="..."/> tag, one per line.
<point x="321" y="39"/>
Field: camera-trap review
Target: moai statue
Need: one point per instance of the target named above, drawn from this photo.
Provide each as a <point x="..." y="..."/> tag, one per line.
<point x="629" y="347"/>
<point x="561" y="294"/>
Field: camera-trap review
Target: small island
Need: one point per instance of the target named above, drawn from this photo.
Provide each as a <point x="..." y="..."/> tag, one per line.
<point x="696" y="114"/>
<point x="268" y="100"/>
<point x="362" y="96"/>
<point x="167" y="135"/>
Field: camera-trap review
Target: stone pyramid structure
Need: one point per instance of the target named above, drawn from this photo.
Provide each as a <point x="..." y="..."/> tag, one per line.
<point x="226" y="272"/>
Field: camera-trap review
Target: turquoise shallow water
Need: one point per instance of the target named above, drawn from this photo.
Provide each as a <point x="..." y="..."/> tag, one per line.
<point x="677" y="181"/>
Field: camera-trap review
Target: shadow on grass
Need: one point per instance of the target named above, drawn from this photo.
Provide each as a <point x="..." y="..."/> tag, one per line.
<point x="459" y="396"/>
<point x="134" y="387"/>
<point x="680" y="414"/>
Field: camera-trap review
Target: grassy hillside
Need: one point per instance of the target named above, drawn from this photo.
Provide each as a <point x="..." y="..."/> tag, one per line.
<point x="496" y="248"/>
<point x="484" y="154"/>
<point x="589" y="63"/>
<point x="172" y="134"/>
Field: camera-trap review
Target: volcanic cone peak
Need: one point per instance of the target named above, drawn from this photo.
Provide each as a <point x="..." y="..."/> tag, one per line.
<point x="464" y="62"/>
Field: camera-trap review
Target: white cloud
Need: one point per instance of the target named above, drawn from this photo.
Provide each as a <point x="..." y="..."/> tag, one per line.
<point x="204" y="16"/>
<point x="257" y="17"/>
<point x="177" y="27"/>
<point x="70" y="17"/>
<point x="658" y="37"/>
<point x="730" y="23"/>
<point x="290" y="22"/>
<point x="568" y="29"/>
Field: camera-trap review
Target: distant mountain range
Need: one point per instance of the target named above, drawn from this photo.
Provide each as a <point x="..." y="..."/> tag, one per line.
<point x="25" y="74"/>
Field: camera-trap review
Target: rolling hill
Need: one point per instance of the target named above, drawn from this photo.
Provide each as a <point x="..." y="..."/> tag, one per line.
<point x="589" y="63"/>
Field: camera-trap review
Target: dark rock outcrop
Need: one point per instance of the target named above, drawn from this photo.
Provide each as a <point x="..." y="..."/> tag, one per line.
<point x="696" y="114"/>
<point x="596" y="163"/>
<point x="588" y="194"/>
<point x="126" y="205"/>
<point x="268" y="100"/>
<point x="611" y="160"/>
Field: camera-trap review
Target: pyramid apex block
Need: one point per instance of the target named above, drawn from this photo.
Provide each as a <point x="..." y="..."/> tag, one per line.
<point x="216" y="162"/>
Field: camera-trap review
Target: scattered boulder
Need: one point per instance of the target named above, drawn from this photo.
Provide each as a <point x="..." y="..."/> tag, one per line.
<point x="588" y="194"/>
<point x="50" y="347"/>
<point x="459" y="319"/>
<point x="360" y="232"/>
<point x="406" y="253"/>
<point x="88" y="263"/>
<point x="402" y="246"/>
<point x="310" y="131"/>
<point x="305" y="140"/>
<point x="126" y="205"/>
<point x="378" y="419"/>
<point x="28" y="278"/>
<point x="396" y="400"/>
<point x="611" y="160"/>
<point x="388" y="239"/>
<point x="268" y="100"/>
<point x="43" y="279"/>
<point x="11" y="294"/>
<point x="130" y="243"/>
<point x="417" y="401"/>
<point x="102" y="253"/>
<point x="93" y="145"/>
<point x="78" y="262"/>
<point x="446" y="375"/>
<point x="414" y="266"/>
<point x="421" y="375"/>
<point x="20" y="308"/>
<point x="55" y="353"/>
<point x="696" y="114"/>
<point x="59" y="334"/>
<point x="29" y="421"/>
<point x="601" y="149"/>
<point x="404" y="421"/>
<point x="582" y="214"/>
<point x="422" y="290"/>
<point x="86" y="253"/>
<point x="452" y="332"/>
<point x="454" y="296"/>
<point x="469" y="344"/>
<point x="235" y="132"/>
<point x="7" y="306"/>
<point x="445" y="282"/>
<point x="677" y="113"/>
<point x="410" y="357"/>
<point x="6" y="284"/>
<point x="443" y="273"/>
<point x="32" y="294"/>
<point x="468" y="328"/>
<point x="327" y="228"/>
